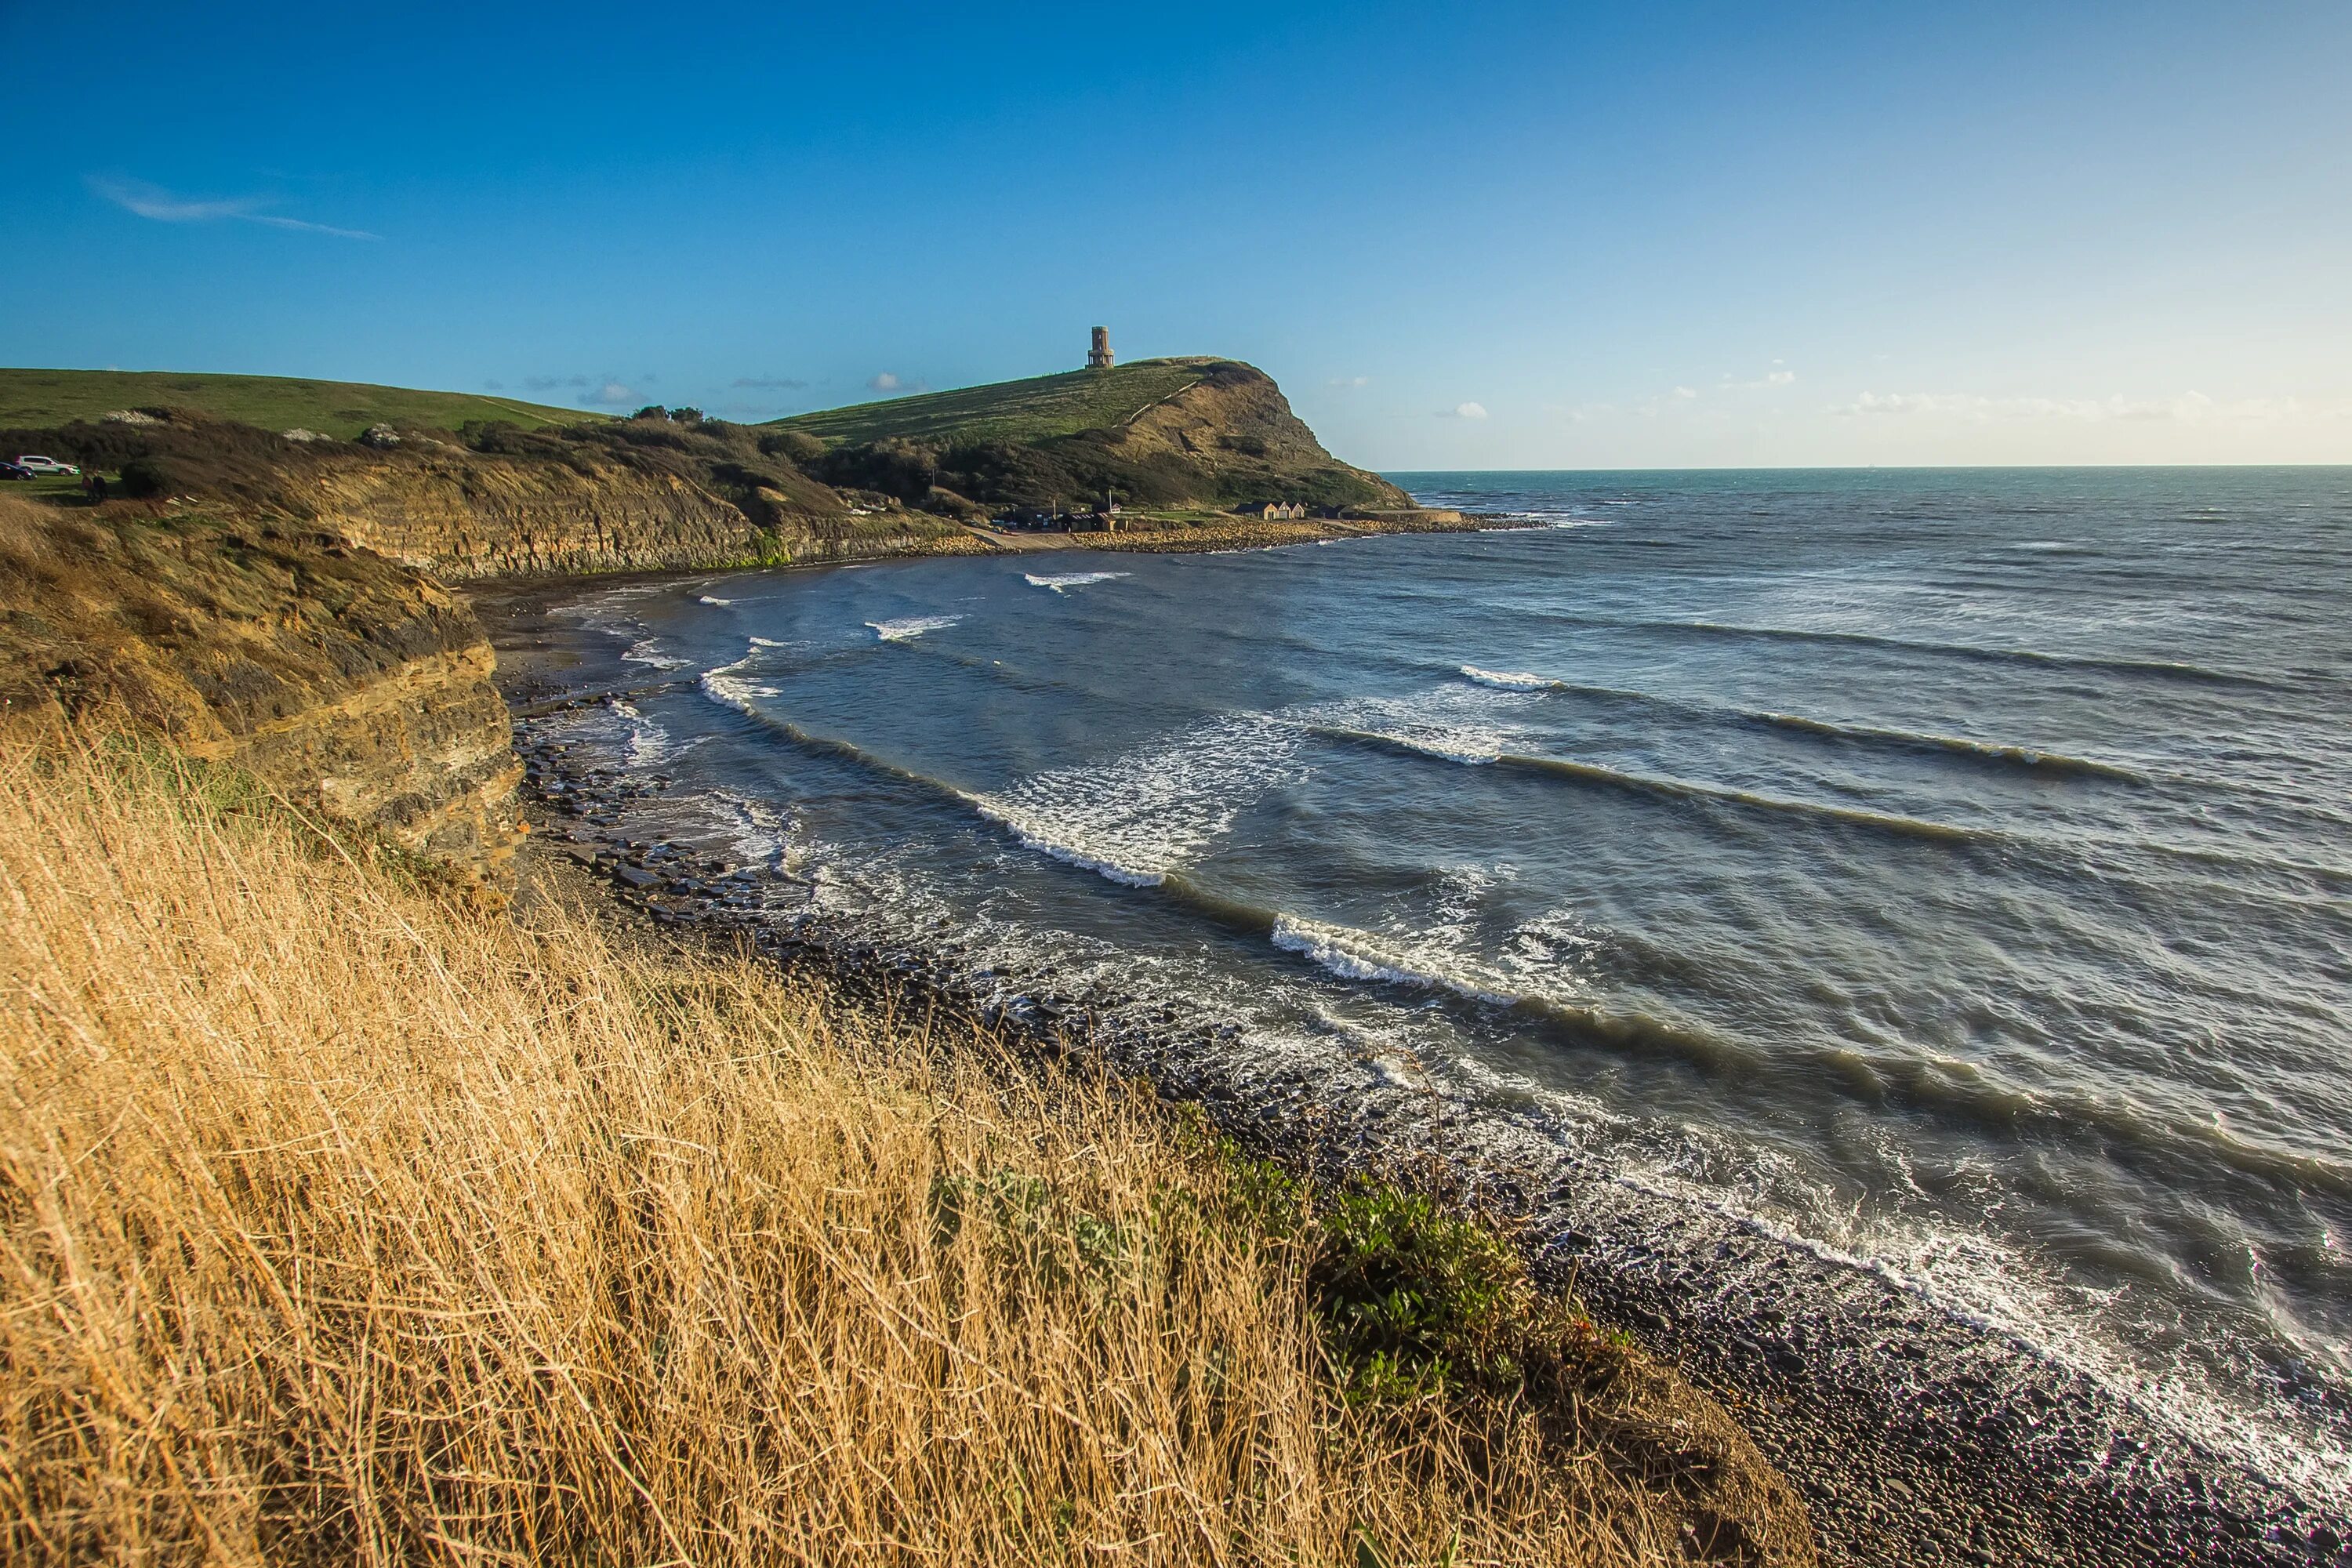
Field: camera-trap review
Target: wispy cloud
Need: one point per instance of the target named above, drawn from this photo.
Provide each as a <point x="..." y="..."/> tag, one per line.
<point x="611" y="394"/>
<point x="1765" y="383"/>
<point x="1463" y="411"/>
<point x="1352" y="381"/>
<point x="2190" y="407"/>
<point x="553" y="382"/>
<point x="886" y="382"/>
<point x="771" y="383"/>
<point x="153" y="202"/>
<point x="1651" y="406"/>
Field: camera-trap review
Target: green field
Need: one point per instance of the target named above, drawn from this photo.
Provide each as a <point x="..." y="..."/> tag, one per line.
<point x="31" y="399"/>
<point x="1031" y="410"/>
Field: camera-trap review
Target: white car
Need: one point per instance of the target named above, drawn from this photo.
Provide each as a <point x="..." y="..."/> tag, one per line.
<point x="47" y="466"/>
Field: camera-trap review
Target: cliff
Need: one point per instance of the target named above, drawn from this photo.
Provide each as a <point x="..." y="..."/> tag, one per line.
<point x="1166" y="433"/>
<point x="467" y="513"/>
<point x="356" y="687"/>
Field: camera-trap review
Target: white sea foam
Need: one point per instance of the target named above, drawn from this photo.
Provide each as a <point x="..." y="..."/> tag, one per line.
<point x="1508" y="680"/>
<point x="766" y="642"/>
<point x="911" y="627"/>
<point x="1061" y="583"/>
<point x="708" y="599"/>
<point x="1583" y="523"/>
<point x="1360" y="955"/>
<point x="648" y="651"/>
<point x="648" y="743"/>
<point x="1445" y="746"/>
<point x="1135" y="819"/>
<point x="726" y="685"/>
<point x="1448" y="724"/>
<point x="1037" y="833"/>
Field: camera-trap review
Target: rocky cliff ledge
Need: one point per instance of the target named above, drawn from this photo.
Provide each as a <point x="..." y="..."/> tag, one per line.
<point x="354" y="685"/>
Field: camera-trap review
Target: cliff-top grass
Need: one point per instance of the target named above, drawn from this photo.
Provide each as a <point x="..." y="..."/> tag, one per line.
<point x="338" y="1223"/>
<point x="36" y="399"/>
<point x="1035" y="409"/>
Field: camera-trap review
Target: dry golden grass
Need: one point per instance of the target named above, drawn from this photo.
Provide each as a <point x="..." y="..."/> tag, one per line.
<point x="339" y="1224"/>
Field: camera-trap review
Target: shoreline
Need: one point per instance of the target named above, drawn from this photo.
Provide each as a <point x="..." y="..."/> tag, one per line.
<point x="1914" y="1437"/>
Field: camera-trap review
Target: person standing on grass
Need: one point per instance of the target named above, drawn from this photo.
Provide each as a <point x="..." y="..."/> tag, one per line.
<point x="97" y="487"/>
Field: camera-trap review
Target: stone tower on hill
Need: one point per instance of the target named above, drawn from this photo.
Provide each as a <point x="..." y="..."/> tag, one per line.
<point x="1098" y="356"/>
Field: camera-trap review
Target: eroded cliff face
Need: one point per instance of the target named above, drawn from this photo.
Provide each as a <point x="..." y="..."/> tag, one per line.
<point x="354" y="685"/>
<point x="464" y="515"/>
<point x="1234" y="425"/>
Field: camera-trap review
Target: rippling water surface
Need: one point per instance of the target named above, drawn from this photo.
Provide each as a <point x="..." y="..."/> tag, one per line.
<point x="1951" y="870"/>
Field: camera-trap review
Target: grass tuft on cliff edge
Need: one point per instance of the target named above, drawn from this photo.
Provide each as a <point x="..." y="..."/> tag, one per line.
<point x="341" y="1223"/>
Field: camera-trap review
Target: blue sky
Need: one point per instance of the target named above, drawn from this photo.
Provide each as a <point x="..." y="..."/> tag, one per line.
<point x="1470" y="236"/>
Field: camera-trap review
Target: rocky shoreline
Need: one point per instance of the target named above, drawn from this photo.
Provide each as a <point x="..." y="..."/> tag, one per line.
<point x="1916" y="1438"/>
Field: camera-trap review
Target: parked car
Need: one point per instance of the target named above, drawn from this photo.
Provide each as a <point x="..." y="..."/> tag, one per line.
<point x="47" y="466"/>
<point x="15" y="471"/>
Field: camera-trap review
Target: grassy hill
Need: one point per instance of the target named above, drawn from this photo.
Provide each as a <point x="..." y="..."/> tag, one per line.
<point x="1038" y="409"/>
<point x="39" y="398"/>
<point x="1197" y="432"/>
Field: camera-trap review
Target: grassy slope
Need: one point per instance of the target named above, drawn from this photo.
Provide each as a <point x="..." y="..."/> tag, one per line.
<point x="1031" y="410"/>
<point x="36" y="398"/>
<point x="344" y="1226"/>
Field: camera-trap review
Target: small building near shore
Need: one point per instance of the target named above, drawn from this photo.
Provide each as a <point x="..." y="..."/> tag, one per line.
<point x="1274" y="510"/>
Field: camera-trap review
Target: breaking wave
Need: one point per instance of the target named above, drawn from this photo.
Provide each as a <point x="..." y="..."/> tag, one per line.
<point x="1062" y="582"/>
<point x="911" y="627"/>
<point x="1507" y="681"/>
<point x="647" y="651"/>
<point x="2010" y="754"/>
<point x="1359" y="955"/>
<point x="1136" y="818"/>
<point x="2173" y="669"/>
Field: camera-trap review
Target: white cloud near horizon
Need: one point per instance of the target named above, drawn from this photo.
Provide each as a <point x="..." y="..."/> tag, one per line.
<point x="885" y="381"/>
<point x="1463" y="411"/>
<point x="612" y="394"/>
<point x="2189" y="407"/>
<point x="153" y="202"/>
<point x="1351" y="380"/>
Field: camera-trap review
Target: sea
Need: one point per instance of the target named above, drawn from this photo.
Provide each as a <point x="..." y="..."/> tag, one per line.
<point x="1949" y="872"/>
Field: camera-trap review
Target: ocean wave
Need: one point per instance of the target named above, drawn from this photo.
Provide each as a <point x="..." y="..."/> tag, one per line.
<point x="1685" y="789"/>
<point x="2028" y="757"/>
<point x="648" y="744"/>
<point x="1648" y="784"/>
<point x="1062" y="582"/>
<point x="1136" y="818"/>
<point x="647" y="651"/>
<point x="726" y="686"/>
<point x="2007" y="754"/>
<point x="1445" y="748"/>
<point x="1052" y="840"/>
<point x="2175" y="670"/>
<point x="1354" y="954"/>
<point x="1509" y="681"/>
<point x="911" y="627"/>
<point x="767" y="642"/>
<point x="708" y="599"/>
